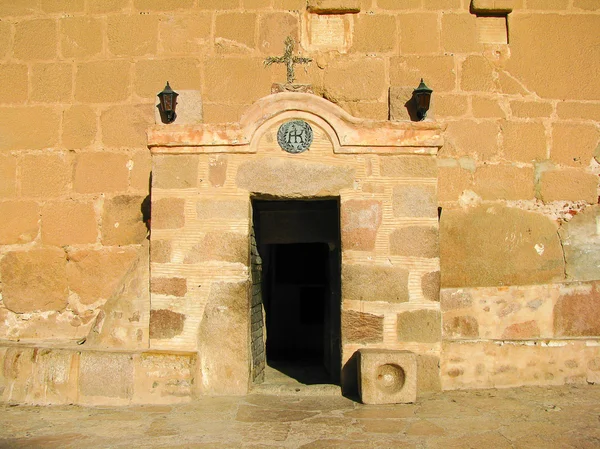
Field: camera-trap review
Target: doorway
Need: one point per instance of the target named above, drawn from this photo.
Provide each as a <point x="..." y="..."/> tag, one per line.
<point x="298" y="242"/>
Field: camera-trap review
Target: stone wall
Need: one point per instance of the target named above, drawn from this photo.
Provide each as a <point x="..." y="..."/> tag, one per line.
<point x="517" y="177"/>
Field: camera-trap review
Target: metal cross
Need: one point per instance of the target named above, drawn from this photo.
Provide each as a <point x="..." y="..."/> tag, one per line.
<point x="288" y="59"/>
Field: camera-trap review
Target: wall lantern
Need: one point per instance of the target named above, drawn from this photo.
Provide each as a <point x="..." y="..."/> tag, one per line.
<point x="422" y="97"/>
<point x="168" y="102"/>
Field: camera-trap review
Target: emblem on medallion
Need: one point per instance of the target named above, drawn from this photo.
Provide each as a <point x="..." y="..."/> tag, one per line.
<point x="295" y="136"/>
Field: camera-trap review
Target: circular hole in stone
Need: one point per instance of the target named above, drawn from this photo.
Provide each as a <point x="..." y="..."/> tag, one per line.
<point x="390" y="378"/>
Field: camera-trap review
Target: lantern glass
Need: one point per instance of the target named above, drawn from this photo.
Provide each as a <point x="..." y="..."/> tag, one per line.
<point x="422" y="97"/>
<point x="168" y="102"/>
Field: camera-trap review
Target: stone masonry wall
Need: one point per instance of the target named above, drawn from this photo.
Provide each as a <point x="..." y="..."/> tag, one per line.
<point x="518" y="176"/>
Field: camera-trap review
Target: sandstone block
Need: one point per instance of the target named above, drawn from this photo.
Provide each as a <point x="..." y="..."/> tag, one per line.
<point x="222" y="80"/>
<point x="62" y="6"/>
<point x="139" y="177"/>
<point x="408" y="166"/>
<point x="45" y="175"/>
<point x="428" y="373"/>
<point x="420" y="326"/>
<point x="524" y="142"/>
<point x="210" y="209"/>
<point x="568" y="185"/>
<point x="578" y="110"/>
<point x="123" y="221"/>
<point x="217" y="170"/>
<point x="291" y="178"/>
<point x="81" y="37"/>
<point x="236" y="28"/>
<point x="104" y="6"/>
<point x="470" y="138"/>
<point x="175" y="172"/>
<point x="101" y="172"/>
<point x="167" y="213"/>
<point x="20" y="222"/>
<point x="574" y="144"/>
<point x="68" y="223"/>
<point x="102" y="81"/>
<point x="577" y="314"/>
<point x="522" y="331"/>
<point x="581" y="240"/>
<point x="360" y="221"/>
<point x="160" y="251"/>
<point x="387" y="376"/>
<point x="484" y="107"/>
<point x="125" y="125"/>
<point x="449" y="105"/>
<point x="477" y="75"/>
<point x="96" y="275"/>
<point x="8" y="175"/>
<point x="14" y="75"/>
<point x="5" y="33"/>
<point x="339" y="80"/>
<point x="459" y="33"/>
<point x="442" y="4"/>
<point x="415" y="241"/>
<point x="219" y="4"/>
<point x="223" y="113"/>
<point x="24" y="8"/>
<point x="452" y="299"/>
<point x="452" y="182"/>
<point x="169" y="286"/>
<point x="221" y="246"/>
<point x="186" y="34"/>
<point x="132" y="35"/>
<point x="413" y="40"/>
<point x="414" y="201"/>
<point x="35" y="39"/>
<point x="273" y="29"/>
<point x="151" y="75"/>
<point x="161" y="5"/>
<point x="461" y="327"/>
<point x="530" y="109"/>
<point x="165" y="324"/>
<point x="223" y="339"/>
<point x="474" y="252"/>
<point x="106" y="374"/>
<point x="374" y="33"/>
<point x="430" y="285"/>
<point x="374" y="283"/>
<point x="401" y="104"/>
<point x="34" y="280"/>
<point x="548" y="4"/>
<point x="256" y="4"/>
<point x="494" y="182"/>
<point x="15" y="127"/>
<point x="359" y="327"/>
<point x="395" y="4"/>
<point x="589" y="5"/>
<point x="556" y="32"/>
<point x="79" y="127"/>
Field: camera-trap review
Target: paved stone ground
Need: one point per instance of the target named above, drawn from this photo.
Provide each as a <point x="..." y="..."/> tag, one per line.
<point x="528" y="418"/>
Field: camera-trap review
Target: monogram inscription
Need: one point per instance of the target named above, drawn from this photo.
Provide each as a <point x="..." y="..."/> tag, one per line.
<point x="295" y="136"/>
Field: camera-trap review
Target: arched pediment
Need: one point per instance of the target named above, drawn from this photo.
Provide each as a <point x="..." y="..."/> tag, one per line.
<point x="347" y="133"/>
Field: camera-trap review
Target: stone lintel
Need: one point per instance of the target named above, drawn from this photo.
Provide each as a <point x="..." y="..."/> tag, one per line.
<point x="492" y="6"/>
<point x="333" y="6"/>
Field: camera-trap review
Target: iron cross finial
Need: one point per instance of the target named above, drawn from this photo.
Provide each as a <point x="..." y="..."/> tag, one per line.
<point x="288" y="59"/>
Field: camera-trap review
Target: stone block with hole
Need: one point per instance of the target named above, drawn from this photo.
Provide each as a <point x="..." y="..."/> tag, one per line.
<point x="387" y="376"/>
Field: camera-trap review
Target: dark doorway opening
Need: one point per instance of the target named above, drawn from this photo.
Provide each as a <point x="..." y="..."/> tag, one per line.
<point x="299" y="246"/>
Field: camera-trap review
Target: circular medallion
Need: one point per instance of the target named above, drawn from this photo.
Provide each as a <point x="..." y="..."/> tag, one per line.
<point x="295" y="136"/>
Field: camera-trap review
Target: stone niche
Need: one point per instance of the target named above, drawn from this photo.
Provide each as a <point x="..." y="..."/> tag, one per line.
<point x="215" y="244"/>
